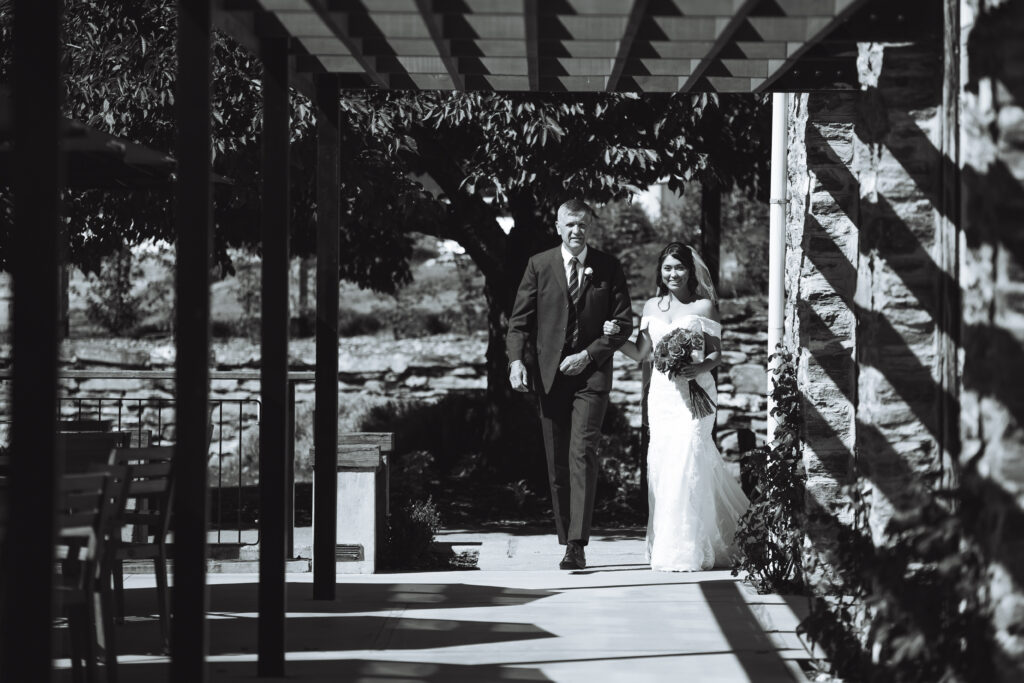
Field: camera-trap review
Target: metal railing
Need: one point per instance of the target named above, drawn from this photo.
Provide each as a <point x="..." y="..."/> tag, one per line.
<point x="135" y="414"/>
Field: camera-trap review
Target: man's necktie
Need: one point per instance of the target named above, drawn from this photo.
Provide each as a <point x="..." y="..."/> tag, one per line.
<point x="574" y="297"/>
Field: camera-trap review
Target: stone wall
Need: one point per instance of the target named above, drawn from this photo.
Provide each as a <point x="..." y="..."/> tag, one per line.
<point x="992" y="286"/>
<point x="905" y="280"/>
<point x="863" y="278"/>
<point x="863" y="281"/>
<point x="822" y="250"/>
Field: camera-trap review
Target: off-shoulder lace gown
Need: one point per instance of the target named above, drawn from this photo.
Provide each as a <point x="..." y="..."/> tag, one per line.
<point x="694" y="502"/>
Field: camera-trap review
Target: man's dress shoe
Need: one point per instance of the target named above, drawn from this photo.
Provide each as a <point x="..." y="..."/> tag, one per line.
<point x="574" y="558"/>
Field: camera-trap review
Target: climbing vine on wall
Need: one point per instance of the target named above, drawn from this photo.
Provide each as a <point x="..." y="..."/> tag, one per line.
<point x="770" y="534"/>
<point x="911" y="608"/>
<point x="908" y="608"/>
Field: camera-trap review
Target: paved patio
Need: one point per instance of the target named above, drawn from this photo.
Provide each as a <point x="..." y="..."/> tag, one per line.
<point x="517" y="618"/>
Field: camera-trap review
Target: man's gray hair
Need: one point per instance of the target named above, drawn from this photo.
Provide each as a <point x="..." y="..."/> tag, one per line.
<point x="576" y="206"/>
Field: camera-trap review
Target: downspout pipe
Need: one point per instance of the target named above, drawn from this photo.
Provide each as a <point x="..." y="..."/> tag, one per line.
<point x="776" y="246"/>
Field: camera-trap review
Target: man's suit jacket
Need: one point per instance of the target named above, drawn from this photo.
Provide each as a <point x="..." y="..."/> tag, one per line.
<point x="540" y="316"/>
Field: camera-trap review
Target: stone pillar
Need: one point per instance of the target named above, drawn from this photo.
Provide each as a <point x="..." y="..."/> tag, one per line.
<point x="821" y="281"/>
<point x="862" y="281"/>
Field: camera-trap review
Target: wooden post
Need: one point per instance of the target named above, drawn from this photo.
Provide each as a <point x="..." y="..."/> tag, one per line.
<point x="289" y="472"/>
<point x="194" y="221"/>
<point x="274" y="365"/>
<point x="325" y="438"/>
<point x="31" y="535"/>
<point x="711" y="227"/>
<point x="947" y="247"/>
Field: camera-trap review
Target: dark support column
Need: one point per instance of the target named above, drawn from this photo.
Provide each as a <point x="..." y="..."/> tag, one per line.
<point x="27" y="617"/>
<point x="711" y="226"/>
<point x="274" y="365"/>
<point x="711" y="240"/>
<point x="194" y="220"/>
<point x="947" y="249"/>
<point x="289" y="471"/>
<point x="325" y="438"/>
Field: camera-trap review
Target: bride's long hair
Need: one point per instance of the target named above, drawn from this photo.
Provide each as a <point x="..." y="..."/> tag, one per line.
<point x="698" y="280"/>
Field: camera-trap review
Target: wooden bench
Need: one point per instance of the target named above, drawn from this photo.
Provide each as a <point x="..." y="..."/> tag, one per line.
<point x="363" y="494"/>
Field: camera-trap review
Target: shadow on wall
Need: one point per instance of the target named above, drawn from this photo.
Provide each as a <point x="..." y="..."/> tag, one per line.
<point x="905" y="418"/>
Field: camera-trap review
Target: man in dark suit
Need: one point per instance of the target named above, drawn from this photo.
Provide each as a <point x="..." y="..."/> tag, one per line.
<point x="556" y="346"/>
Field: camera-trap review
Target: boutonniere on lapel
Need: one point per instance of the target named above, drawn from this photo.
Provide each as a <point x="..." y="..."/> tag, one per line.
<point x="588" y="273"/>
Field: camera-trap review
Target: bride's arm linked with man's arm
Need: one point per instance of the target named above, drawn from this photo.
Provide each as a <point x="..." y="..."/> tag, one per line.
<point x="641" y="348"/>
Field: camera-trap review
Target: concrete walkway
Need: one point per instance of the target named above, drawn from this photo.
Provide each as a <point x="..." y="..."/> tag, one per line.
<point x="517" y="618"/>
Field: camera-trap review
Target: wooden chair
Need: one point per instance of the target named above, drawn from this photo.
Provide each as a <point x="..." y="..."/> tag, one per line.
<point x="147" y="513"/>
<point x="87" y="511"/>
<point x="85" y="450"/>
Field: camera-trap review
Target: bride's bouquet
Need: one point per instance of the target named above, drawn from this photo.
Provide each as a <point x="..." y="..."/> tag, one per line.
<point x="677" y="349"/>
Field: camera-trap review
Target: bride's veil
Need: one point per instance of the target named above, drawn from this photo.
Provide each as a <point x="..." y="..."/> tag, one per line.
<point x="705" y="285"/>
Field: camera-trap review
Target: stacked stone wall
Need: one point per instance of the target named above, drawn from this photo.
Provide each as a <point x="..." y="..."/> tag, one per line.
<point x="862" y="281"/>
<point x="821" y="277"/>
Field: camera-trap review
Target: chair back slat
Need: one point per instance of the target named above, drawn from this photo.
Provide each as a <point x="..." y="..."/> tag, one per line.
<point x="80" y="494"/>
<point x="150" y="483"/>
<point x="83" y="450"/>
<point x="146" y="518"/>
<point x="150" y="487"/>
<point x="150" y="470"/>
<point x="91" y="502"/>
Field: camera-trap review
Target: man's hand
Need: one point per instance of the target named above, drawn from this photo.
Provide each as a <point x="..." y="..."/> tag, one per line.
<point x="517" y="376"/>
<point x="574" y="364"/>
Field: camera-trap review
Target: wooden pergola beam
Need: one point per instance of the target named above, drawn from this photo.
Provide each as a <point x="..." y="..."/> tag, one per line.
<point x="443" y="49"/>
<point x="532" y="52"/>
<point x="249" y="24"/>
<point x="723" y="39"/>
<point x="636" y="17"/>
<point x="338" y="23"/>
<point x="823" y="30"/>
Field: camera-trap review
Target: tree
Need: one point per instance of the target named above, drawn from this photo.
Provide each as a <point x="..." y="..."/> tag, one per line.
<point x="527" y="152"/>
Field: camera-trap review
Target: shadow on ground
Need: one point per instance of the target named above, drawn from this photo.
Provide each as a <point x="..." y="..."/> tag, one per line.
<point x="334" y="670"/>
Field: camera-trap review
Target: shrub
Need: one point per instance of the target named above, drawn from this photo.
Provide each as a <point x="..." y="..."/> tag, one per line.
<point x="409" y="536"/>
<point x="352" y="324"/>
<point x="450" y="428"/>
<point x="223" y="329"/>
<point x="408" y="323"/>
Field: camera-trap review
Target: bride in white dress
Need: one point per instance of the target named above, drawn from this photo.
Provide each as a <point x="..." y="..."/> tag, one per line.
<point x="694" y="502"/>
